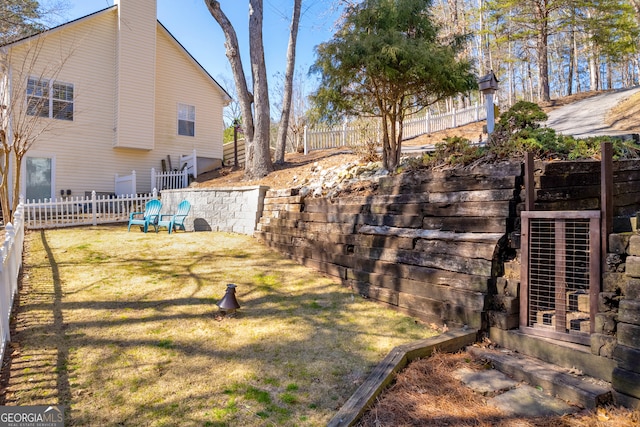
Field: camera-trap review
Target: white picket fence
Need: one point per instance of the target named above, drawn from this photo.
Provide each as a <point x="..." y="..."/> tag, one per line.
<point x="10" y="263"/>
<point x="170" y="180"/>
<point x="91" y="210"/>
<point x="347" y="135"/>
<point x="176" y="179"/>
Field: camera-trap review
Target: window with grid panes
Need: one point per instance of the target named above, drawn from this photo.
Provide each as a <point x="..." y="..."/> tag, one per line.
<point x="47" y="98"/>
<point x="186" y="120"/>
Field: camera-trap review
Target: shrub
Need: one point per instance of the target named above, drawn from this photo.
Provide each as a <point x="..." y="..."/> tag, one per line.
<point x="455" y="151"/>
<point x="518" y="132"/>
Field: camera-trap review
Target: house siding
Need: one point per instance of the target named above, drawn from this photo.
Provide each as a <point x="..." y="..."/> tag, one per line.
<point x="83" y="149"/>
<point x="190" y="86"/>
<point x="136" y="56"/>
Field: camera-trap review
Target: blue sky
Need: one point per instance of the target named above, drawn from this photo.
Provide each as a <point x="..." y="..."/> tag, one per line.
<point x="191" y="23"/>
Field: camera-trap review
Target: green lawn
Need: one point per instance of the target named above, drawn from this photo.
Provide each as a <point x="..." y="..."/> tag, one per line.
<point x="123" y="329"/>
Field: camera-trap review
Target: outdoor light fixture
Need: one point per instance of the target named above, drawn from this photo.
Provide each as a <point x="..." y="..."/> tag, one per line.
<point x="229" y="303"/>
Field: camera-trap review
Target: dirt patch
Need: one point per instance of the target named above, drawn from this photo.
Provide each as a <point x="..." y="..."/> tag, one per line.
<point x="626" y="116"/>
<point x="297" y="166"/>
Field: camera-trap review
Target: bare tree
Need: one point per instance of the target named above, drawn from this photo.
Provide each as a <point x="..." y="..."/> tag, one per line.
<point x="298" y="110"/>
<point x="24" y="111"/>
<point x="232" y="111"/>
<point x="254" y="106"/>
<point x="283" y="128"/>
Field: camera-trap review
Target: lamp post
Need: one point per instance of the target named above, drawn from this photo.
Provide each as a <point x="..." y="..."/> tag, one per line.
<point x="488" y="84"/>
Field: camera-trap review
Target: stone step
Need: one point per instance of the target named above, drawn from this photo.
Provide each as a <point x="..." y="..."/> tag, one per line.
<point x="560" y="353"/>
<point x="572" y="387"/>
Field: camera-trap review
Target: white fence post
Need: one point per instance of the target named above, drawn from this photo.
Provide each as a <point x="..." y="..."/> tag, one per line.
<point x="453" y="117"/>
<point x="304" y="140"/>
<point x="344" y="132"/>
<point x="8" y="274"/>
<point x="94" y="208"/>
<point x="195" y="166"/>
<point x="154" y="184"/>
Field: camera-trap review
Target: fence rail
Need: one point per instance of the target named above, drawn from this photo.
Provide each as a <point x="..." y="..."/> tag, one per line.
<point x="74" y="211"/>
<point x="346" y="135"/>
<point x="10" y="264"/>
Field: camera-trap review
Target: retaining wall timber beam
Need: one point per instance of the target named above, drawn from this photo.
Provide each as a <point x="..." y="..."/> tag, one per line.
<point x="395" y="361"/>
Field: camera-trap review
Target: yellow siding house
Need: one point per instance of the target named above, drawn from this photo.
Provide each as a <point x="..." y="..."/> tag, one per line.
<point x="114" y="92"/>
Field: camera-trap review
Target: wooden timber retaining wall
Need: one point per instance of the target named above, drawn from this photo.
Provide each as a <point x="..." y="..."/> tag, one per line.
<point x="429" y="243"/>
<point x="441" y="245"/>
<point x="576" y="186"/>
<point x="444" y="246"/>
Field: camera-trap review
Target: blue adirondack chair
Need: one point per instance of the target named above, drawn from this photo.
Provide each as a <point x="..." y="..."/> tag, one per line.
<point x="176" y="220"/>
<point x="149" y="216"/>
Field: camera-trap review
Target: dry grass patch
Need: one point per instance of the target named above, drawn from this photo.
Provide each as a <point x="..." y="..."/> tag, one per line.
<point x="123" y="329"/>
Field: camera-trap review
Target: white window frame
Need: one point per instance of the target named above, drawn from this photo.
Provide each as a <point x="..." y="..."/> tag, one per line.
<point x="187" y="114"/>
<point x="46" y="93"/>
<point x="23" y="169"/>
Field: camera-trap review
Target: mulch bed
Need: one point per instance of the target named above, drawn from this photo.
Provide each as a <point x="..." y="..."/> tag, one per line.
<point x="427" y="394"/>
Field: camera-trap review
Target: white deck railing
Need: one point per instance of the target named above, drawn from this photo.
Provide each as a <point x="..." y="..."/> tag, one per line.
<point x="92" y="210"/>
<point x="10" y="263"/>
<point x="346" y="135"/>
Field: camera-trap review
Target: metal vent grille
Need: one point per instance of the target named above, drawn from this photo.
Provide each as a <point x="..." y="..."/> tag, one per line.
<point x="562" y="277"/>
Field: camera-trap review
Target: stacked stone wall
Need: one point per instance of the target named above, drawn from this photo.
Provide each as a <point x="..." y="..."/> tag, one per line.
<point x="235" y="209"/>
<point x="626" y="323"/>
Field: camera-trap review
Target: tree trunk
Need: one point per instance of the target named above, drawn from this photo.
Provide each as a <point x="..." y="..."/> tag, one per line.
<point x="245" y="98"/>
<point x="283" y="128"/>
<point x="576" y="66"/>
<point x="572" y="54"/>
<point x="259" y="162"/>
<point x="543" y="62"/>
<point x="4" y="184"/>
<point x="256" y="128"/>
<point x="594" y="78"/>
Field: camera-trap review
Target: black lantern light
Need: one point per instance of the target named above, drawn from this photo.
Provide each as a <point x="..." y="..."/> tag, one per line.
<point x="229" y="303"/>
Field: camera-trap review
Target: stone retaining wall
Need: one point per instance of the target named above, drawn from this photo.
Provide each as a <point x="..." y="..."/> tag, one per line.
<point x="235" y="209"/>
<point x="622" y="325"/>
